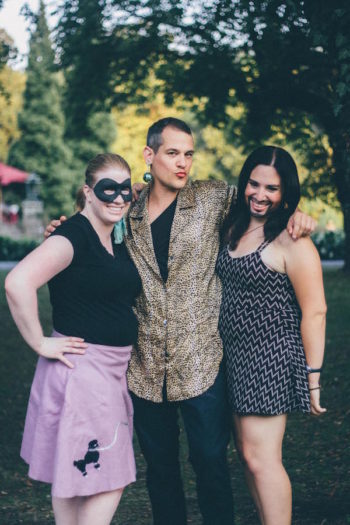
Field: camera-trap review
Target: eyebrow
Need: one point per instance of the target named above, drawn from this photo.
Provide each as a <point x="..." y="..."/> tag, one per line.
<point x="177" y="150"/>
<point x="267" y="185"/>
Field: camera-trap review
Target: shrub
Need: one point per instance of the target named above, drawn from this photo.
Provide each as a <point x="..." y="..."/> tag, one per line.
<point x="330" y="244"/>
<point x="14" y="250"/>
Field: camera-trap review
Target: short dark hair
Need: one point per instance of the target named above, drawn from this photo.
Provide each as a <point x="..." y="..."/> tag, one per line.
<point x="238" y="218"/>
<point x="154" y="134"/>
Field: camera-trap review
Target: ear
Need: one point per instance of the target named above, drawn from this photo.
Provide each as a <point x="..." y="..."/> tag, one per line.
<point x="87" y="192"/>
<point x="148" y="155"/>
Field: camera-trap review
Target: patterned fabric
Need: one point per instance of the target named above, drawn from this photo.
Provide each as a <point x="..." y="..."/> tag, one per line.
<point x="178" y="320"/>
<point x="260" y="328"/>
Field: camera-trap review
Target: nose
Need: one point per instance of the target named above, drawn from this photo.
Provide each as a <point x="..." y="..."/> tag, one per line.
<point x="260" y="194"/>
<point x="181" y="161"/>
<point x="119" y="199"/>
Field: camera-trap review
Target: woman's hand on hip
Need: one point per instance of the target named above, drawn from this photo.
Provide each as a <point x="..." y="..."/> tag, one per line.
<point x="56" y="347"/>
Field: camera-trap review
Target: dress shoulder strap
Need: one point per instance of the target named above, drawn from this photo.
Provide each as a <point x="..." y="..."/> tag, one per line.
<point x="262" y="246"/>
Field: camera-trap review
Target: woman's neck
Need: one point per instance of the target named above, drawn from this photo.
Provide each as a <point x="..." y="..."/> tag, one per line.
<point x="103" y="230"/>
<point x="256" y="222"/>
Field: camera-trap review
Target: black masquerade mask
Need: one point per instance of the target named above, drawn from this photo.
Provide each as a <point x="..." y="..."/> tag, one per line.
<point x="107" y="190"/>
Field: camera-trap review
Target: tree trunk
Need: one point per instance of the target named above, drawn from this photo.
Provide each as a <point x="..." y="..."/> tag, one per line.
<point x="340" y="143"/>
<point x="346" y="212"/>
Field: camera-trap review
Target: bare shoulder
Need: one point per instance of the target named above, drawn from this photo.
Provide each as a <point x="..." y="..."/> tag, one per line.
<point x="283" y="240"/>
<point x="303" y="244"/>
<point x="300" y="254"/>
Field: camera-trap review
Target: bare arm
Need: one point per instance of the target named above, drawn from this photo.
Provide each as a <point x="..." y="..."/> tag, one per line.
<point x="303" y="267"/>
<point x="21" y="285"/>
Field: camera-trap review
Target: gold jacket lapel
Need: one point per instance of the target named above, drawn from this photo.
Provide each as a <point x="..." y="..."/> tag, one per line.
<point x="185" y="203"/>
<point x="140" y="234"/>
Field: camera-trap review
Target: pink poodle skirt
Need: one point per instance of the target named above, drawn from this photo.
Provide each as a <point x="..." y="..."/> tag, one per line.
<point x="79" y="424"/>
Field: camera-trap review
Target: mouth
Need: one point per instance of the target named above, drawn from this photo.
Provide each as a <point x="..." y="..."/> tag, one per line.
<point x="115" y="208"/>
<point x="181" y="174"/>
<point x="259" y="207"/>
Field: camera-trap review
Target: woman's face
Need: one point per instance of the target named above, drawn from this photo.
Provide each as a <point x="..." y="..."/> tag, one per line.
<point x="263" y="192"/>
<point x="109" y="209"/>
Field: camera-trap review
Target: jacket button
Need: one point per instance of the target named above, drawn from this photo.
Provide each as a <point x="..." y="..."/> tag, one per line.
<point x="165" y="322"/>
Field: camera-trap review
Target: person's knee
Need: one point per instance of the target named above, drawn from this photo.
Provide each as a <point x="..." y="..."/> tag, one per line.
<point x="252" y="460"/>
<point x="258" y="460"/>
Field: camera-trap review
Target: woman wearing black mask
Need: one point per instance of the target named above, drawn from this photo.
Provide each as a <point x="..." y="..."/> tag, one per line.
<point x="78" y="431"/>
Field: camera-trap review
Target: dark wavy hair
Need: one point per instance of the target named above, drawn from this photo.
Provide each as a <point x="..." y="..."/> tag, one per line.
<point x="238" y="218"/>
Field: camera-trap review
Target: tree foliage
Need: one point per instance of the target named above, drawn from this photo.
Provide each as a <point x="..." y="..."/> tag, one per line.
<point x="240" y="71"/>
<point x="215" y="156"/>
<point x="10" y="105"/>
<point x="86" y="58"/>
<point x="286" y="61"/>
<point x="100" y="135"/>
<point x="106" y="58"/>
<point x="7" y="47"/>
<point x="41" y="148"/>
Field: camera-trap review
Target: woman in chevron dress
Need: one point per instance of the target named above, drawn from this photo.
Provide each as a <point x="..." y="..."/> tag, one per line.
<point x="272" y="323"/>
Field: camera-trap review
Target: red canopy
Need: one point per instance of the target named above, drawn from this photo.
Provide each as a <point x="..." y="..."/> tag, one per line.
<point x="8" y="174"/>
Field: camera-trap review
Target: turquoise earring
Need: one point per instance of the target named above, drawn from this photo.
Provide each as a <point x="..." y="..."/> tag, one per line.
<point x="119" y="231"/>
<point x="147" y="177"/>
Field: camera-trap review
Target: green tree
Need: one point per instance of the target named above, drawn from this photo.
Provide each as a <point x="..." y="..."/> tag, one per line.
<point x="100" y="134"/>
<point x="86" y="58"/>
<point x="104" y="57"/>
<point x="298" y="58"/>
<point x="7" y="47"/>
<point x="286" y="61"/>
<point x="10" y="105"/>
<point x="41" y="148"/>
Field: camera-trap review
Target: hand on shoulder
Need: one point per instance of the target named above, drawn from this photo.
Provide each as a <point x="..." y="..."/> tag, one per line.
<point x="300" y="225"/>
<point x="55" y="223"/>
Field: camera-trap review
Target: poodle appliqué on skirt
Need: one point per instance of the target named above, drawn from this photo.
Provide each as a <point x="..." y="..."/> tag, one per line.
<point x="93" y="453"/>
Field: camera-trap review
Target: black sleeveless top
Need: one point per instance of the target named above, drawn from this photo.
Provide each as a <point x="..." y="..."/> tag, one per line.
<point x="93" y="297"/>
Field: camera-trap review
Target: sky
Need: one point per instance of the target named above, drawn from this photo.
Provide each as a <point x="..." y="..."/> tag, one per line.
<point x="16" y="26"/>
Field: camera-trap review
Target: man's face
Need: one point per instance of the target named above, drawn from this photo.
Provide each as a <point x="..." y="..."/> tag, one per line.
<point x="172" y="162"/>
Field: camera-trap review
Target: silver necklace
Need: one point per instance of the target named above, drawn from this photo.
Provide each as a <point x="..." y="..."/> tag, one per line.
<point x="253" y="230"/>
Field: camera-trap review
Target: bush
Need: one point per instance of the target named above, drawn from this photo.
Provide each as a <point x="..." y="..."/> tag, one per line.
<point x="15" y="250"/>
<point x="330" y="244"/>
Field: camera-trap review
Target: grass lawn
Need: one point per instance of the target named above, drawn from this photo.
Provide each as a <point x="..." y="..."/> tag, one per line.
<point x="316" y="451"/>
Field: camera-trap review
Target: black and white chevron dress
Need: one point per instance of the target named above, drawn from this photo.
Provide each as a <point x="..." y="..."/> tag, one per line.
<point x="260" y="328"/>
